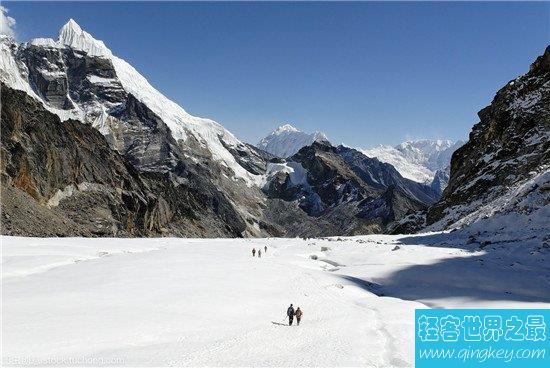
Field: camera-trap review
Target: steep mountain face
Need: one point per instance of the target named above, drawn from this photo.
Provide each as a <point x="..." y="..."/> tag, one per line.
<point x="286" y="140"/>
<point x="78" y="77"/>
<point x="499" y="179"/>
<point x="61" y="178"/>
<point x="345" y="190"/>
<point x="418" y="160"/>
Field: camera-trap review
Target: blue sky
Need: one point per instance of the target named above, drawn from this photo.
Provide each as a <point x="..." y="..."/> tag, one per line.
<point x="363" y="73"/>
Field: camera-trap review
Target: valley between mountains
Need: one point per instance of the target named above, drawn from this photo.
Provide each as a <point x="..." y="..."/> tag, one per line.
<point x="90" y="148"/>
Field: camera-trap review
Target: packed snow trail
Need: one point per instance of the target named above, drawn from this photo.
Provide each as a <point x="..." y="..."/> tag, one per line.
<point x="190" y="302"/>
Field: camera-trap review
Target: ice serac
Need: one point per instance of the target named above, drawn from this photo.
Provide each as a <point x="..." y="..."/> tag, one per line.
<point x="286" y="140"/>
<point x="500" y="179"/>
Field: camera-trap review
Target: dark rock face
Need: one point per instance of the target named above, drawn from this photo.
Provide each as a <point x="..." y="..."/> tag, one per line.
<point x="332" y="181"/>
<point x="143" y="137"/>
<point x="64" y="174"/>
<point x="511" y="141"/>
<point x="44" y="157"/>
<point x="251" y="158"/>
<point x="46" y="74"/>
<point x="61" y="76"/>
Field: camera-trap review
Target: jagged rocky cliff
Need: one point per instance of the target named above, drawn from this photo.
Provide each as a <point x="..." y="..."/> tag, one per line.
<point x="500" y="179"/>
<point x="77" y="77"/>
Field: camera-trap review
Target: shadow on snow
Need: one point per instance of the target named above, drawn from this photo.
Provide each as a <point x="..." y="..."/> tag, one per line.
<point x="507" y="271"/>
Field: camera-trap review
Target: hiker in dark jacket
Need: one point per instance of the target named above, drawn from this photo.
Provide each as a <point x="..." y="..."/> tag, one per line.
<point x="290" y="314"/>
<point x="265" y="249"/>
<point x="259" y="253"/>
<point x="253" y="252"/>
<point x="298" y="315"/>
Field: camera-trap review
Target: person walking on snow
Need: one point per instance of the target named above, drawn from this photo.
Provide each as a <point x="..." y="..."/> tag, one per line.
<point x="265" y="249"/>
<point x="253" y="252"/>
<point x="259" y="253"/>
<point x="298" y="315"/>
<point x="290" y="314"/>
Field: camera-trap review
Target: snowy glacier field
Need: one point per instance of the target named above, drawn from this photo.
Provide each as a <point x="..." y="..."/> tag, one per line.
<point x="208" y="302"/>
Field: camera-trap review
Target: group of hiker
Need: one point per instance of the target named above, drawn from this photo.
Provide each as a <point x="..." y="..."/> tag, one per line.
<point x="259" y="252"/>
<point x="290" y="312"/>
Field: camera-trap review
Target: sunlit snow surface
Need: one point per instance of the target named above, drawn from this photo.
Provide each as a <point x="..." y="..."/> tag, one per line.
<point x="207" y="302"/>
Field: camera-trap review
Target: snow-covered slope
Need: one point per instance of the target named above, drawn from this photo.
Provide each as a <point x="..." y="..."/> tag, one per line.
<point x="192" y="302"/>
<point x="184" y="127"/>
<point x="286" y="140"/>
<point x="522" y="212"/>
<point x="417" y="160"/>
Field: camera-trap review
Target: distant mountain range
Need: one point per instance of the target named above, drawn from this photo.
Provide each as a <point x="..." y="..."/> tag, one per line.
<point x="418" y="160"/>
<point x="90" y="148"/>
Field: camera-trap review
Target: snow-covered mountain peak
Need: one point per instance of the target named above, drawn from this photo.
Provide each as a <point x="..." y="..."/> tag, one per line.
<point x="286" y="140"/>
<point x="73" y="26"/>
<point x="285" y="128"/>
<point x="71" y="34"/>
